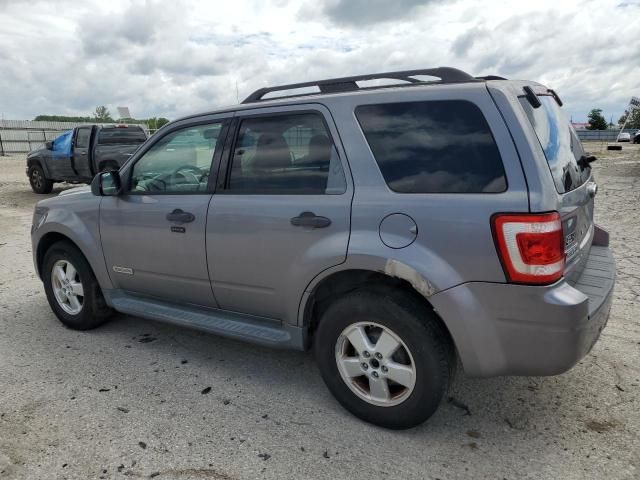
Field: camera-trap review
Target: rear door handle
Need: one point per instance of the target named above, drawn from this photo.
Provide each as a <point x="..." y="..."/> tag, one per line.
<point x="180" y="216"/>
<point x="310" y="219"/>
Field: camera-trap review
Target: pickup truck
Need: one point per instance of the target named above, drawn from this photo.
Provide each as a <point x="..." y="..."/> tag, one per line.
<point x="78" y="154"/>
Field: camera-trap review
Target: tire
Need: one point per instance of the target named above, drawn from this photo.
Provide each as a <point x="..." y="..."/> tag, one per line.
<point x="39" y="182"/>
<point x="423" y="345"/>
<point x="109" y="167"/>
<point x="93" y="310"/>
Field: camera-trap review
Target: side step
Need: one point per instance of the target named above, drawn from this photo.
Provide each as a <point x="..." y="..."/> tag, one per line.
<point x="239" y="326"/>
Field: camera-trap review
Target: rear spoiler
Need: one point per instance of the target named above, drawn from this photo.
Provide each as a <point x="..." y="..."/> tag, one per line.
<point x="532" y="93"/>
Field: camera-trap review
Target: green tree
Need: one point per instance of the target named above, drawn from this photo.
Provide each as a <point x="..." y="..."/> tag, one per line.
<point x="634" y="119"/>
<point x="154" y="123"/>
<point x="102" y="115"/>
<point x="596" y="120"/>
<point x="63" y="118"/>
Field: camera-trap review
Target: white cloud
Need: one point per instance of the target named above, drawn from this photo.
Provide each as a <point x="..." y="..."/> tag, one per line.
<point x="172" y="58"/>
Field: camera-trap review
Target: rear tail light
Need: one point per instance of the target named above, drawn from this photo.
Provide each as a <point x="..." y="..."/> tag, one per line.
<point x="531" y="246"/>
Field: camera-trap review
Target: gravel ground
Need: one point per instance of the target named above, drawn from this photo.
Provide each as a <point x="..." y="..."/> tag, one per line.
<point x="130" y="399"/>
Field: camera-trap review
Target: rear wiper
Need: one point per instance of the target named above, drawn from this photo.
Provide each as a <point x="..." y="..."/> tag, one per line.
<point x="585" y="160"/>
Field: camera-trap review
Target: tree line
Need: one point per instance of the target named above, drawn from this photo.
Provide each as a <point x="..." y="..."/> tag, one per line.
<point x="102" y="115"/>
<point x="598" y="122"/>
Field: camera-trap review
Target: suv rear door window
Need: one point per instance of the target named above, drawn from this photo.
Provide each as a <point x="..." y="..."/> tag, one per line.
<point x="433" y="147"/>
<point x="560" y="143"/>
<point x="285" y="154"/>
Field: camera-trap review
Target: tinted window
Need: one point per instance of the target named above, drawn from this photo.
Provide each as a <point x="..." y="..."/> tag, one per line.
<point x="82" y="137"/>
<point x="285" y="154"/>
<point x="433" y="147"/>
<point x="560" y="143"/>
<point x="121" y="135"/>
<point x="178" y="162"/>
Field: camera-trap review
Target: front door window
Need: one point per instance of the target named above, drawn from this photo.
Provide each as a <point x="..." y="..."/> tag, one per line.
<point x="179" y="163"/>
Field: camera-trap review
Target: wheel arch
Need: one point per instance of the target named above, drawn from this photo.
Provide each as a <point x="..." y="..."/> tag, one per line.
<point x="395" y="275"/>
<point x="41" y="163"/>
<point x="109" y="162"/>
<point x="58" y="232"/>
<point x="46" y="242"/>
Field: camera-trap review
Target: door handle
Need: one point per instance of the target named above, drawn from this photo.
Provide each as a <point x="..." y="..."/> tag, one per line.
<point x="310" y="219"/>
<point x="180" y="216"/>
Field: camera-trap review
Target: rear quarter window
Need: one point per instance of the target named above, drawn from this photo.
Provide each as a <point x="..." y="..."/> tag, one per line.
<point x="433" y="147"/>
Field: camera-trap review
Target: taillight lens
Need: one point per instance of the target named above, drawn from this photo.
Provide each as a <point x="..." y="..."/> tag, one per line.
<point x="531" y="246"/>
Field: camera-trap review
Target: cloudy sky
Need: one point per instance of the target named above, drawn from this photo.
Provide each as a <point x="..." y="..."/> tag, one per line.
<point x="169" y="58"/>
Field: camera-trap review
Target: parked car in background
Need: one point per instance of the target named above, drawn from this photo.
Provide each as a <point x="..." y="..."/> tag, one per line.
<point x="636" y="137"/>
<point x="356" y="222"/>
<point x="624" y="137"/>
<point x="78" y="154"/>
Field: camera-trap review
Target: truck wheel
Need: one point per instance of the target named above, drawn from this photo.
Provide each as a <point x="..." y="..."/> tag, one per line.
<point x="109" y="167"/>
<point x="39" y="183"/>
<point x="72" y="289"/>
<point x="384" y="356"/>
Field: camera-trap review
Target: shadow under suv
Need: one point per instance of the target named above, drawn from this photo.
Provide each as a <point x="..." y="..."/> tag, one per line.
<point x="391" y="228"/>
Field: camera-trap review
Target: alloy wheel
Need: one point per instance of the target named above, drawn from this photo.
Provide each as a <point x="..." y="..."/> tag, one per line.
<point x="67" y="287"/>
<point x="375" y="364"/>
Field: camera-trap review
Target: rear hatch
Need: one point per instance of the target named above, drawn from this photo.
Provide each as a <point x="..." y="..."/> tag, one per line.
<point x="571" y="174"/>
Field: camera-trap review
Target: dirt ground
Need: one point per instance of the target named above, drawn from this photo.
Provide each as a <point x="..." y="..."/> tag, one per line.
<point x="128" y="399"/>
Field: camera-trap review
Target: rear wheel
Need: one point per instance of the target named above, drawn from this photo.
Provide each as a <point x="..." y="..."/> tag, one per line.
<point x="39" y="182"/>
<point x="384" y="356"/>
<point x="71" y="288"/>
<point x="109" y="167"/>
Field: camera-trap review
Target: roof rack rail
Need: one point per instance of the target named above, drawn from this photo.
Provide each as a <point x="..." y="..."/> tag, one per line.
<point x="347" y="84"/>
<point x="491" y="77"/>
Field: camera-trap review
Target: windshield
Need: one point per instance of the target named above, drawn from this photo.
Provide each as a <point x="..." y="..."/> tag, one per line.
<point x="560" y="143"/>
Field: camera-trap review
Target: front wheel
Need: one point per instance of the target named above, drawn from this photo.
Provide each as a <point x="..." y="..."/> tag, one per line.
<point x="384" y="356"/>
<point x="72" y="289"/>
<point x="38" y="181"/>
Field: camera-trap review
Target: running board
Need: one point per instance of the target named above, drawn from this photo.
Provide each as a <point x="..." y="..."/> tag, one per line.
<point x="239" y="326"/>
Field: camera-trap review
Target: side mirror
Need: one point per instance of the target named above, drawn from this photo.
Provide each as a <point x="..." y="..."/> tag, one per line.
<point x="49" y="145"/>
<point x="106" y="184"/>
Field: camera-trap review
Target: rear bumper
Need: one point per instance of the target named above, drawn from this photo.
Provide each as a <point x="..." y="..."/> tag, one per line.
<point x="505" y="329"/>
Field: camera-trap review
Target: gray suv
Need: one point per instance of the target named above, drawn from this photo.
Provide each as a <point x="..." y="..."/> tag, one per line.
<point x="398" y="230"/>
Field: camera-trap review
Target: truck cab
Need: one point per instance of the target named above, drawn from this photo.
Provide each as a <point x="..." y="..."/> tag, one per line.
<point x="78" y="154"/>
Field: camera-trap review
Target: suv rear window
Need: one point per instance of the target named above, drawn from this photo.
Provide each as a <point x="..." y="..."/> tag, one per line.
<point x="433" y="147"/>
<point x="121" y="135"/>
<point x="560" y="143"/>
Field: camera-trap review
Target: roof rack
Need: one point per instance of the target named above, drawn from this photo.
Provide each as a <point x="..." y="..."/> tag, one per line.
<point x="348" y="84"/>
<point x="491" y="77"/>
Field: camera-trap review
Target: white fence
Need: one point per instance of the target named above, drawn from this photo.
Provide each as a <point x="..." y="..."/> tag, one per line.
<point x="602" y="135"/>
<point x="21" y="136"/>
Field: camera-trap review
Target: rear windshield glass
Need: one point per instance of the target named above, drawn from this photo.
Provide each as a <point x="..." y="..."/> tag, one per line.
<point x="559" y="141"/>
<point x="433" y="147"/>
<point x="121" y="135"/>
